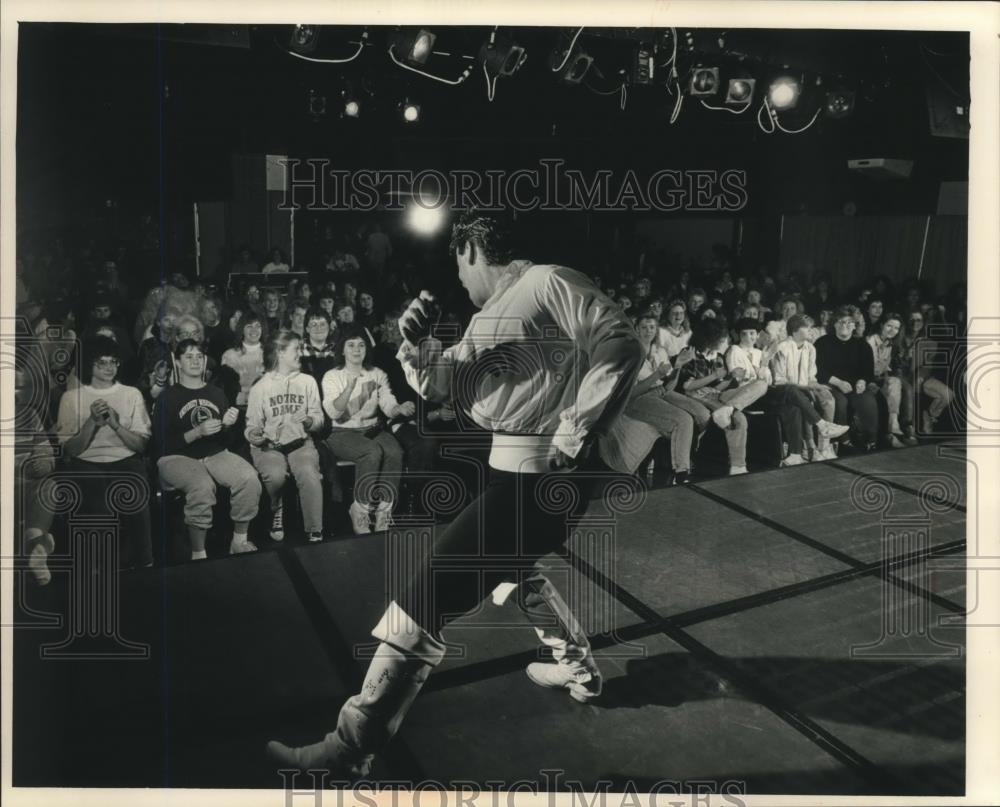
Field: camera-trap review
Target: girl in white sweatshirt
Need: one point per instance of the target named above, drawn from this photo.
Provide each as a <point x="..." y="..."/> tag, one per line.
<point x="354" y="396"/>
<point x="283" y="411"/>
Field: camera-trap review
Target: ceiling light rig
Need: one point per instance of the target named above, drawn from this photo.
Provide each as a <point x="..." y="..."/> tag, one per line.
<point x="740" y="91"/>
<point x="783" y="93"/>
<point x="414" y="45"/>
<point x="569" y="63"/>
<point x="839" y="103"/>
<point x="677" y="61"/>
<point x="304" y="38"/>
<point x="704" y="82"/>
<point x="302" y="41"/>
<point x="412" y="48"/>
<point x="409" y="111"/>
<point x="500" y="56"/>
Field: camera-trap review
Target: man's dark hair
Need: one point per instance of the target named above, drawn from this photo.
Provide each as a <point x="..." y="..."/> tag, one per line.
<point x="185" y="345"/>
<point x="795" y="322"/>
<point x="492" y="233"/>
<point x="354" y="330"/>
<point x="707" y="333"/>
<point x="99" y="347"/>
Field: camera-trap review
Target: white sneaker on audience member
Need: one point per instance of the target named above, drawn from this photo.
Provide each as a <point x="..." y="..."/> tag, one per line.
<point x="315" y="536"/>
<point x="360" y="518"/>
<point x="240" y="545"/>
<point x="723" y="417"/>
<point x="831" y="431"/>
<point x="278" y="525"/>
<point x="737" y="470"/>
<point x="44" y="545"/>
<point x="792" y="459"/>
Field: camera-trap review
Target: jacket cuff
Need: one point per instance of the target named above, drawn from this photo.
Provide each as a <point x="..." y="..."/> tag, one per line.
<point x="569" y="438"/>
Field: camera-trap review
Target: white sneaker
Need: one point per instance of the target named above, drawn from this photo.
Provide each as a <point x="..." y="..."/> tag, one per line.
<point x="723" y="417"/>
<point x="37" y="560"/>
<point x="895" y="442"/>
<point x="828" y="453"/>
<point x="383" y="516"/>
<point x="316" y="536"/>
<point x="360" y="518"/>
<point x="831" y="431"/>
<point x="241" y="547"/>
<point x="278" y="525"/>
<point x="737" y="470"/>
<point x="792" y="459"/>
<point x="563" y="676"/>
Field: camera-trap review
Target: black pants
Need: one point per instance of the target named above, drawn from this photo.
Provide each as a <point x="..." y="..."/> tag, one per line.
<point x="858" y="411"/>
<point x="498" y="537"/>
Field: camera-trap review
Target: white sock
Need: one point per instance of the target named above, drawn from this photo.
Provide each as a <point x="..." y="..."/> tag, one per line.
<point x="239" y="537"/>
<point x="198" y="554"/>
<point x="43" y="545"/>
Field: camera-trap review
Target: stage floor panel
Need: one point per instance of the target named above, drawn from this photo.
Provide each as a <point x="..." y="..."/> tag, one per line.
<point x="868" y="663"/>
<point x="682" y="551"/>
<point x="815" y="502"/>
<point x="914" y="467"/>
<point x="722" y="615"/>
<point x="663" y="716"/>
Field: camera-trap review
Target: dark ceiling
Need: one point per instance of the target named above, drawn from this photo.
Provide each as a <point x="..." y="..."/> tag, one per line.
<point x="137" y="112"/>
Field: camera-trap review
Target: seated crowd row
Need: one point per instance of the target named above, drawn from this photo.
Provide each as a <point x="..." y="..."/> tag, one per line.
<point x="250" y="401"/>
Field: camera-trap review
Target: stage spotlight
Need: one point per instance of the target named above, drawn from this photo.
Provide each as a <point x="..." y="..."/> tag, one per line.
<point x="317" y="104"/>
<point x="425" y="219"/>
<point x="409" y="111"/>
<point x="784" y="92"/>
<point x="352" y="108"/>
<point x="704" y="81"/>
<point x="414" y="45"/>
<point x="304" y="38"/>
<point x="576" y="66"/>
<point x="740" y="91"/>
<point x="839" y="103"/>
<point x="501" y="56"/>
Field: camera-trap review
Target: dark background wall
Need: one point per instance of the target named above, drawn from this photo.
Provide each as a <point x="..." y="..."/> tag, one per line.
<point x="121" y="129"/>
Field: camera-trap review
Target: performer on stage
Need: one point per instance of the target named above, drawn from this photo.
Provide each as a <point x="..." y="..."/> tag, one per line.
<point x="546" y="365"/>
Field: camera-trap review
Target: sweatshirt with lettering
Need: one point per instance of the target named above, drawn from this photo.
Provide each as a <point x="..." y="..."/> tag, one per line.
<point x="180" y="409"/>
<point x="274" y="402"/>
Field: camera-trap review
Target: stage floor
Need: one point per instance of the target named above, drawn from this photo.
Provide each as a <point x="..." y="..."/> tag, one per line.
<point x="790" y="631"/>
